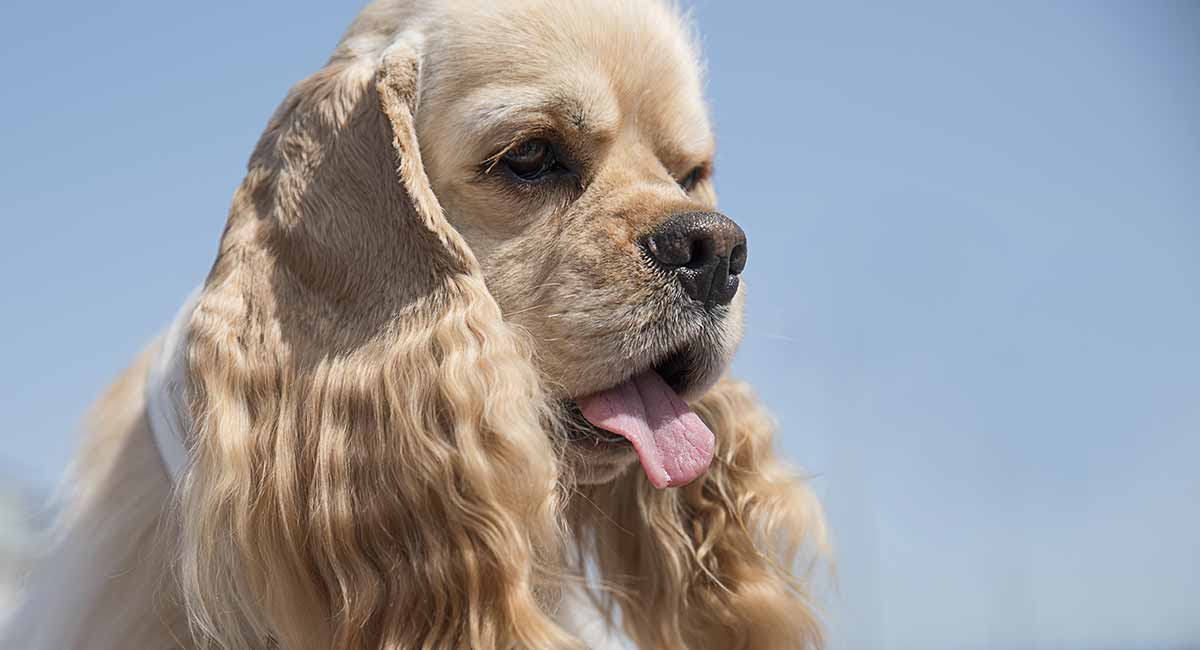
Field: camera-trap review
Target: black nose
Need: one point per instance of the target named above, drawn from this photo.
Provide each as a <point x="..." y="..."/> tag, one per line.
<point x="705" y="250"/>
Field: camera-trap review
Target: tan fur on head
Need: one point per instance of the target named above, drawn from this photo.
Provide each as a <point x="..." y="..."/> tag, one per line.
<point x="381" y="353"/>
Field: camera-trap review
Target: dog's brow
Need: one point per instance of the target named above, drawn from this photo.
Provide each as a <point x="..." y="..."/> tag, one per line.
<point x="688" y="142"/>
<point x="499" y="108"/>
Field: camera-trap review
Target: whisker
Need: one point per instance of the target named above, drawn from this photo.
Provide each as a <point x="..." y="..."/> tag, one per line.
<point x="527" y="309"/>
<point x="775" y="337"/>
<point x="599" y="510"/>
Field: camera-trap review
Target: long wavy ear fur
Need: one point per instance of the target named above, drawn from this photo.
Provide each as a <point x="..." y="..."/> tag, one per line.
<point x="712" y="564"/>
<point x="370" y="468"/>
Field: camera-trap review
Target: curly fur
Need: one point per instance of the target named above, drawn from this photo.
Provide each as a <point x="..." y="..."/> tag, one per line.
<point x="710" y="565"/>
<point x="378" y="358"/>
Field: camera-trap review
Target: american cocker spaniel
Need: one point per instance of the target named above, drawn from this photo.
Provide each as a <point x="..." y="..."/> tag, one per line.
<point x="456" y="378"/>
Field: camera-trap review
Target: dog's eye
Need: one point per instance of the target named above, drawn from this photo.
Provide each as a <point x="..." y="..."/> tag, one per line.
<point x="688" y="183"/>
<point x="531" y="159"/>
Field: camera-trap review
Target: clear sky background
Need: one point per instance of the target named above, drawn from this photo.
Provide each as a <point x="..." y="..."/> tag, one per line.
<point x="974" y="283"/>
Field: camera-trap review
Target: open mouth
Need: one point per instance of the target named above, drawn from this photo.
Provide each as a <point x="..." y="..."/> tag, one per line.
<point x="675" y="369"/>
<point x="646" y="410"/>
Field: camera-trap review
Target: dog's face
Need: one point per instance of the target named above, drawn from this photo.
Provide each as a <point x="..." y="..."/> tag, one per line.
<point x="573" y="151"/>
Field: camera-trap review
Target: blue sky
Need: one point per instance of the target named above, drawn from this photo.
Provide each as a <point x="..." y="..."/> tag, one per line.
<point x="974" y="282"/>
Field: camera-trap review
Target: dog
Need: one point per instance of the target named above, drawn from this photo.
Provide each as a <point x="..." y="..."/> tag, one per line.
<point x="458" y="375"/>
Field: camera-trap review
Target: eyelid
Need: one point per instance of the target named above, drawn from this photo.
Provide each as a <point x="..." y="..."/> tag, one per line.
<point x="513" y="142"/>
<point x="514" y="136"/>
<point x="696" y="175"/>
<point x="563" y="154"/>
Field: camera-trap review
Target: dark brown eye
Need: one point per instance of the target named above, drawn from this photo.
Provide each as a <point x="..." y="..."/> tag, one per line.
<point x="688" y="183"/>
<point x="531" y="159"/>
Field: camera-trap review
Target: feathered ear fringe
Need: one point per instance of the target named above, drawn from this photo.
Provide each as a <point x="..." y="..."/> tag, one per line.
<point x="396" y="492"/>
<point x="713" y="564"/>
<point x="402" y="496"/>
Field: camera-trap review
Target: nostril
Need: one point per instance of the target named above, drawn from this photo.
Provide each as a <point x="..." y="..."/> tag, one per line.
<point x="737" y="259"/>
<point x="668" y="249"/>
<point x="704" y="250"/>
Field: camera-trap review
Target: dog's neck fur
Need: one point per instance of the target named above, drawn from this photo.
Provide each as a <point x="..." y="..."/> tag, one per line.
<point x="166" y="392"/>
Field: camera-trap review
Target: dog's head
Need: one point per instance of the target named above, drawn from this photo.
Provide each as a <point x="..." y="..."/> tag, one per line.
<point x="480" y="235"/>
<point x="570" y="145"/>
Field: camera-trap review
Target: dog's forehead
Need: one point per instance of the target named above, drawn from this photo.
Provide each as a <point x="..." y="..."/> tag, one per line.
<point x="600" y="64"/>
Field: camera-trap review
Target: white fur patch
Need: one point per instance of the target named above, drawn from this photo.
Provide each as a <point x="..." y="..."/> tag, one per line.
<point x="166" y="392"/>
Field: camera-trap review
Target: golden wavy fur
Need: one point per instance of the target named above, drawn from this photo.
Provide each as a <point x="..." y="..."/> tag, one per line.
<point x="380" y="354"/>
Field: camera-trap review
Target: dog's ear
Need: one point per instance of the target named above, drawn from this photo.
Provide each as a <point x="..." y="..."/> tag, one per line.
<point x="369" y="462"/>
<point x="399" y="88"/>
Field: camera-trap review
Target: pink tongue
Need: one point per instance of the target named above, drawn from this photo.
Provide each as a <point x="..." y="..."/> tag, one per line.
<point x="673" y="444"/>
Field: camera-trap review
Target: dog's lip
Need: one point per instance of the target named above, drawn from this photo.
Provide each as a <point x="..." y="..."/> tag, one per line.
<point x="579" y="430"/>
<point x="676" y="368"/>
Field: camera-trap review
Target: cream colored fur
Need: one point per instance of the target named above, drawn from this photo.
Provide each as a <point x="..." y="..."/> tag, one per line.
<point x="380" y="353"/>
